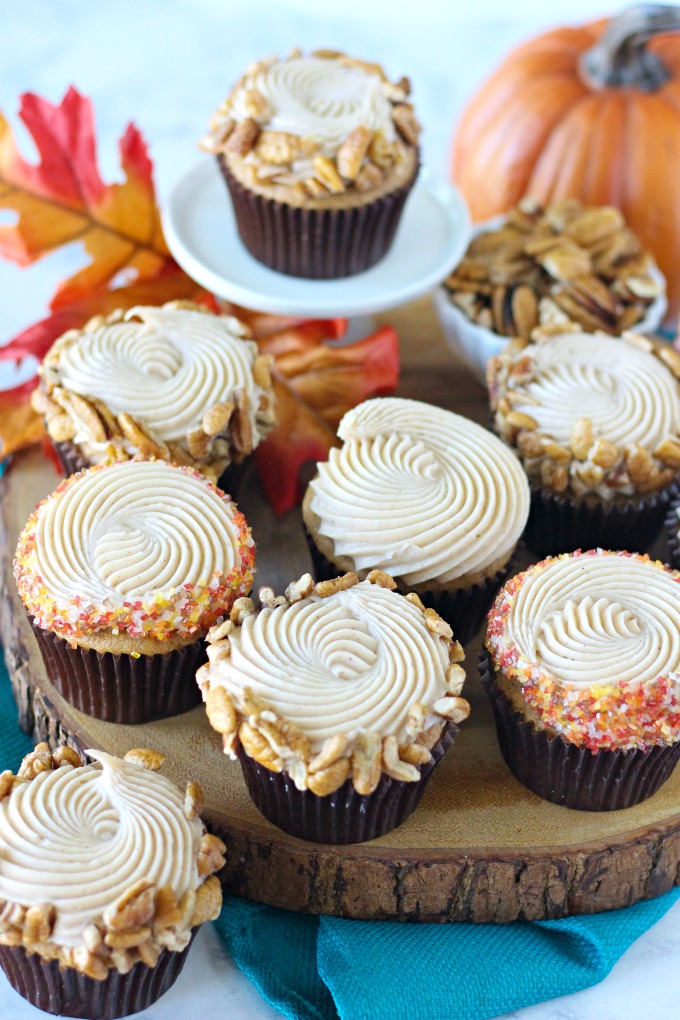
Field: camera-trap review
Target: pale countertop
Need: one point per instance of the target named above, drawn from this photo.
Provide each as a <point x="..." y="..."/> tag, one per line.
<point x="167" y="65"/>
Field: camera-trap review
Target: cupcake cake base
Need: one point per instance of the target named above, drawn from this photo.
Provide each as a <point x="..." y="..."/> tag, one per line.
<point x="120" y="688"/>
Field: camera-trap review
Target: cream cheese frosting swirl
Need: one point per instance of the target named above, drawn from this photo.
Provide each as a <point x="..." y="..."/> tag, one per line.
<point x="419" y="492"/>
<point x="319" y="98"/>
<point x="594" y="639"/>
<point x="79" y="838"/>
<point x="139" y="546"/>
<point x="629" y="395"/>
<point x="165" y="366"/>
<point x="352" y="662"/>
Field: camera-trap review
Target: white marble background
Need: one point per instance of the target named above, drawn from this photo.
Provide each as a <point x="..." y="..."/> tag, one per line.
<point x="166" y="64"/>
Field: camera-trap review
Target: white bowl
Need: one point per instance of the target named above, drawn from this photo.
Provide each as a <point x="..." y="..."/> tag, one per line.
<point x="476" y="344"/>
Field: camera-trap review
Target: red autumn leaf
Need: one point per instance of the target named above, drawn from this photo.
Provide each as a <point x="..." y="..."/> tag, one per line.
<point x="314" y="387"/>
<point x="62" y="198"/>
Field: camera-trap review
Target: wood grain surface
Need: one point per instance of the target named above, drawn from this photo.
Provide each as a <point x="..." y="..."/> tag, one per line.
<point x="480" y="847"/>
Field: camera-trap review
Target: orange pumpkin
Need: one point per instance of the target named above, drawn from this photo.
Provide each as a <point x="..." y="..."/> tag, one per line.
<point x="591" y="113"/>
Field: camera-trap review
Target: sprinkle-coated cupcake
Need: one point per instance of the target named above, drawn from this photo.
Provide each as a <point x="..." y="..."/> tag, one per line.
<point x="584" y="677"/>
<point x="123" y="569"/>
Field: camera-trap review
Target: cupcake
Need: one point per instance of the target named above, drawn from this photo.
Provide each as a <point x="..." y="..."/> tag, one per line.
<point x="338" y="699"/>
<point x="319" y="154"/>
<point x="595" y="421"/>
<point x="430" y="497"/>
<point x="174" y="382"/>
<point x="123" y="569"/>
<point x="583" y="676"/>
<point x="106" y="872"/>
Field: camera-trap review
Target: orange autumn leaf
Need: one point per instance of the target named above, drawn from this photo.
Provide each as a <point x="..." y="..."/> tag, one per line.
<point x="62" y="198"/>
<point x="20" y="426"/>
<point x="315" y="385"/>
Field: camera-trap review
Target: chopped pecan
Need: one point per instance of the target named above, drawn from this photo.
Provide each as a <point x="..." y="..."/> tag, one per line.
<point x="353" y="150"/>
<point x="325" y="588"/>
<point x="210" y="857"/>
<point x="146" y="758"/>
<point x="220" y="710"/>
<point x="208" y="902"/>
<point x="327" y="780"/>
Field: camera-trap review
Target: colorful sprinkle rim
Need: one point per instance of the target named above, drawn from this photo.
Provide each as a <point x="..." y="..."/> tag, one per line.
<point x="184" y="611"/>
<point x="603" y="717"/>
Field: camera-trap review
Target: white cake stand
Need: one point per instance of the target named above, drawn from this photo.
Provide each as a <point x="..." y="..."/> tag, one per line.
<point x="201" y="233"/>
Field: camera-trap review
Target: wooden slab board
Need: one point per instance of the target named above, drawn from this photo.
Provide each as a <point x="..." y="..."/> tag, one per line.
<point x="480" y="847"/>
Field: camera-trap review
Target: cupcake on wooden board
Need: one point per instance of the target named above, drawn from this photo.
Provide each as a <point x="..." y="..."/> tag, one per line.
<point x="596" y="421"/>
<point x="174" y="382"/>
<point x="123" y="569"/>
<point x="319" y="154"/>
<point x="584" y="677"/>
<point x="428" y="496"/>
<point x="106" y="873"/>
<point x="338" y="699"/>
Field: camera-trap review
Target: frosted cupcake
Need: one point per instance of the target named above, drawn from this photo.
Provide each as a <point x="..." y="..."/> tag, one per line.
<point x="596" y="421"/>
<point x="428" y="496"/>
<point x="106" y="872"/>
<point x="584" y="677"/>
<point x="319" y="154"/>
<point x="123" y="569"/>
<point x="338" y="699"/>
<point x="174" y="382"/>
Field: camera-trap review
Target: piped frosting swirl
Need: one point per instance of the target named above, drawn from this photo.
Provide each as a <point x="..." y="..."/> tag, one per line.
<point x="591" y="413"/>
<point x="173" y="370"/>
<point x="319" y="98"/>
<point x="354" y="661"/>
<point x="594" y="640"/>
<point x="424" y="494"/>
<point x="140" y="547"/>
<point x="78" y="838"/>
<point x="348" y="680"/>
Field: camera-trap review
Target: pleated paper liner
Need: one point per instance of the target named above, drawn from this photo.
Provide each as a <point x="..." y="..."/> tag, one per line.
<point x="569" y="775"/>
<point x="465" y="609"/>
<point x="672" y="527"/>
<point x="344" y="816"/>
<point x="559" y="523"/>
<point x="69" y="993"/>
<point x="72" y="461"/>
<point x="318" y="244"/>
<point x="121" y="688"/>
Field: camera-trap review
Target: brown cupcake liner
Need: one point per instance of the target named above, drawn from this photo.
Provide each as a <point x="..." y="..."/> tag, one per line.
<point x="559" y="523"/>
<point x="121" y="688"/>
<point x="671" y="528"/>
<point x="69" y="993"/>
<point x="318" y="244"/>
<point x="465" y="609"/>
<point x="72" y="460"/>
<point x="572" y="776"/>
<point x="344" y="816"/>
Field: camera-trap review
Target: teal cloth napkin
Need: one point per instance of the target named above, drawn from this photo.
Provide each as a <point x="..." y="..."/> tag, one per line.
<point x="324" y="968"/>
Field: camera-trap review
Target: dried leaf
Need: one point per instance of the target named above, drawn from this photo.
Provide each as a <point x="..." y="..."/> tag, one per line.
<point x="62" y="198"/>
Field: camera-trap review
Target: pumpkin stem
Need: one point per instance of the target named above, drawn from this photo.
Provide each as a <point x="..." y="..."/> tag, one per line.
<point x="620" y="58"/>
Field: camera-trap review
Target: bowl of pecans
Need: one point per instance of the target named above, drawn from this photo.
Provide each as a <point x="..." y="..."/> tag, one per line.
<point x="548" y="266"/>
